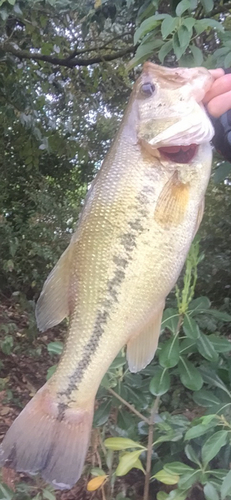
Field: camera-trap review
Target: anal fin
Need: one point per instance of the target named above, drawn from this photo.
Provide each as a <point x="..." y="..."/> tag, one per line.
<point x="142" y="347"/>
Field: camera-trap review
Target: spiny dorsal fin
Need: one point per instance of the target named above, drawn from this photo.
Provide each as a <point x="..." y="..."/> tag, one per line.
<point x="142" y="347"/>
<point x="54" y="302"/>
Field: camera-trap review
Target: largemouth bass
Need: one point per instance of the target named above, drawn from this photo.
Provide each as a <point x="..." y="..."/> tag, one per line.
<point x="138" y="221"/>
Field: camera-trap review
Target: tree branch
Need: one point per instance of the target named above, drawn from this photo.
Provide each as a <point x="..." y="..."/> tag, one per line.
<point x="67" y="62"/>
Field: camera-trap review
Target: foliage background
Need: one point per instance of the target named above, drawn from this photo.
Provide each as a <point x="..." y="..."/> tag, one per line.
<point x="66" y="71"/>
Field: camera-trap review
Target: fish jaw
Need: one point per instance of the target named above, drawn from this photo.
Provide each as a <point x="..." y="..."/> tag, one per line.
<point x="174" y="115"/>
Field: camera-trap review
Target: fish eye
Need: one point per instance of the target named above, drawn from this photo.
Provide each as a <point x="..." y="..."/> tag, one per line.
<point x="147" y="89"/>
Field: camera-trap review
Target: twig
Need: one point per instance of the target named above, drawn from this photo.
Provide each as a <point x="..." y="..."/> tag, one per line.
<point x="149" y="452"/>
<point x="130" y="406"/>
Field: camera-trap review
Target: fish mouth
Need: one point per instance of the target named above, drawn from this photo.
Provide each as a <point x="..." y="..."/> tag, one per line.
<point x="179" y="154"/>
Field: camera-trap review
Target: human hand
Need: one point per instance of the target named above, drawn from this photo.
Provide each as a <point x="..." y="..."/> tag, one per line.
<point x="218" y="99"/>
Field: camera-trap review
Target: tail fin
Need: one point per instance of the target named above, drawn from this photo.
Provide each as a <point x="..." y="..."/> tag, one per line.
<point x="48" y="438"/>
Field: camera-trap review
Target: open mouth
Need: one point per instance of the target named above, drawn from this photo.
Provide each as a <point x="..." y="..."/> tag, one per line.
<point x="179" y="154"/>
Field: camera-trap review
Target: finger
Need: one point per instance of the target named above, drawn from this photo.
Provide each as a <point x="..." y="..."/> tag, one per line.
<point x="217" y="73"/>
<point x="219" y="104"/>
<point x="220" y="86"/>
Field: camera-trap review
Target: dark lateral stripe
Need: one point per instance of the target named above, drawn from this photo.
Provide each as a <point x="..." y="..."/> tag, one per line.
<point x="128" y="243"/>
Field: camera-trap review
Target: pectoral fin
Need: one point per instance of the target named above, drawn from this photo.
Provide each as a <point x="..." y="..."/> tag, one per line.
<point x="199" y="216"/>
<point x="142" y="347"/>
<point x="172" y="203"/>
<point x="54" y="302"/>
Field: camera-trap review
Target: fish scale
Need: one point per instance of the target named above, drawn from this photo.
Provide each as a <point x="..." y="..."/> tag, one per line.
<point x="138" y="221"/>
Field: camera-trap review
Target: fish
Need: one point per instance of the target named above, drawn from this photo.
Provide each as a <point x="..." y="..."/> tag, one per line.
<point x="139" y="218"/>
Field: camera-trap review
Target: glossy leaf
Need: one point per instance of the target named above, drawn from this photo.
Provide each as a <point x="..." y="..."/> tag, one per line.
<point x="206" y="398"/>
<point x="207" y="5"/>
<point x="206" y="348"/>
<point x="170" y="318"/>
<point x="166" y="478"/>
<point x="189" y="479"/>
<point x="213" y="445"/>
<point x="198" y="430"/>
<point x="199" y="304"/>
<point x="189" y="375"/>
<point x="160" y="383"/>
<point x="102" y="413"/>
<point x="190" y="327"/>
<point x="55" y="347"/>
<point x="147" y="26"/>
<point x="191" y="454"/>
<point x="177" y="468"/>
<point x="169" y="354"/>
<point x="127" y="462"/>
<point x="210" y="492"/>
<point x="168" y="25"/>
<point x="120" y="443"/>
<point x="163" y="52"/>
<point x="220" y="344"/>
<point x="226" y="486"/>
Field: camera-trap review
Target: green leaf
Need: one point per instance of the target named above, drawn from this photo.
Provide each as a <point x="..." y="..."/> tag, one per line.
<point x="224" y="169"/>
<point x="163" y="52"/>
<point x="182" y="7"/>
<point x="191" y="454"/>
<point x="160" y="383"/>
<point x="118" y="362"/>
<point x="177" y="47"/>
<point x="168" y="25"/>
<point x="199" y="305"/>
<point x="170" y="317"/>
<point x="207" y="5"/>
<point x="191" y="328"/>
<point x="210" y="492"/>
<point x="206" y="348"/>
<point x="144" y="51"/>
<point x="226" y="486"/>
<point x="184" y="36"/>
<point x="177" y="468"/>
<point x="48" y="495"/>
<point x="213" y="445"/>
<point x="227" y="60"/>
<point x="102" y="413"/>
<point x="189" y="23"/>
<point x="7" y="493"/>
<point x="206" y="23"/>
<point x="189" y="479"/>
<point x="127" y="462"/>
<point x="188" y="346"/>
<point x="138" y="465"/>
<point x="55" y="347"/>
<point x="206" y="398"/>
<point x="161" y="495"/>
<point x="211" y="378"/>
<point x="221" y="344"/>
<point x="51" y="371"/>
<point x="166" y="477"/>
<point x="199" y="430"/>
<point x="120" y="443"/>
<point x="189" y="375"/>
<point x="169" y="354"/>
<point x="147" y="26"/>
<point x="221" y="315"/>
